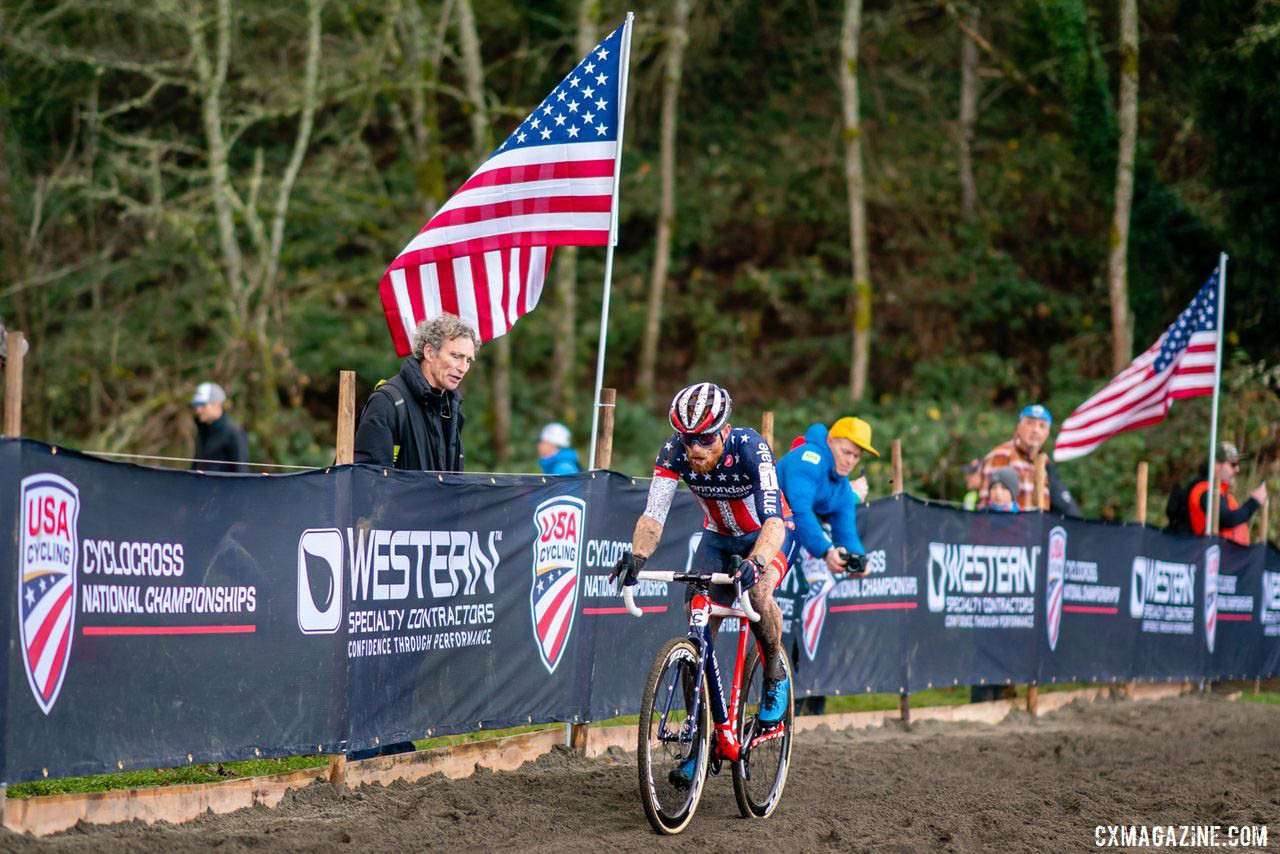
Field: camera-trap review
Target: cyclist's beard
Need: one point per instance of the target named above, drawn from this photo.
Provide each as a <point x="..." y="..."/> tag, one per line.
<point x="707" y="458"/>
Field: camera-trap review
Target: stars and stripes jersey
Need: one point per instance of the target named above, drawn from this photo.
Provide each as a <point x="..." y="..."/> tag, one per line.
<point x="736" y="496"/>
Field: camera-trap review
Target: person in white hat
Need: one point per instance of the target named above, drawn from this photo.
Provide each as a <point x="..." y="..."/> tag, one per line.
<point x="218" y="438"/>
<point x="555" y="452"/>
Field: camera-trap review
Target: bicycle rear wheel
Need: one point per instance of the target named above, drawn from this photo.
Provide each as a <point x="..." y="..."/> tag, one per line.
<point x="673" y="737"/>
<point x="760" y="773"/>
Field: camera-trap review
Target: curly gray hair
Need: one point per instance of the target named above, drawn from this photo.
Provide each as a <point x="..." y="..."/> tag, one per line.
<point x="437" y="330"/>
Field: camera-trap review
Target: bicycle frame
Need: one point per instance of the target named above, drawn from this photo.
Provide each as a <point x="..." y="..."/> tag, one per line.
<point x="701" y="610"/>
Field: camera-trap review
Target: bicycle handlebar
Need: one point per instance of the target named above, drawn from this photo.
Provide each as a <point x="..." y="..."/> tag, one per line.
<point x="628" y="590"/>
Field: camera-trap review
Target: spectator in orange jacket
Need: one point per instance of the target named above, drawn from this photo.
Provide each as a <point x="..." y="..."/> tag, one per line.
<point x="1233" y="518"/>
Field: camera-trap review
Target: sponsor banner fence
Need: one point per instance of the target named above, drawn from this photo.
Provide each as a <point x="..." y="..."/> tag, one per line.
<point x="159" y="618"/>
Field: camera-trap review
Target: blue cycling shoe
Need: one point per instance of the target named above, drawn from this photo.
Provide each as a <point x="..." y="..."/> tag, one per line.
<point x="774" y="705"/>
<point x="681" y="777"/>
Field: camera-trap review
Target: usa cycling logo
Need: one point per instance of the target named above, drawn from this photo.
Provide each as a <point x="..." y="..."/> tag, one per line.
<point x="1211" y="557"/>
<point x="557" y="556"/>
<point x="1053" y="589"/>
<point x="47" y="582"/>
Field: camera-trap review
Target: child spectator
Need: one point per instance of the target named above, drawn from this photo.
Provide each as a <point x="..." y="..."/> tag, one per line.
<point x="1001" y="490"/>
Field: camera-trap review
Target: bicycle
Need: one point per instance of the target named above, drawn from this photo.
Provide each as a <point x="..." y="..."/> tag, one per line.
<point x="679" y="703"/>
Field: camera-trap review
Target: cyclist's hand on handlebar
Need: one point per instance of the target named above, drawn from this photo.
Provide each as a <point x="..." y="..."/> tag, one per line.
<point x="748" y="572"/>
<point x="627" y="567"/>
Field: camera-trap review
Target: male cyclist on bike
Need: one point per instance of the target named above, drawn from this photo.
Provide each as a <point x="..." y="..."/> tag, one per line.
<point x="730" y="470"/>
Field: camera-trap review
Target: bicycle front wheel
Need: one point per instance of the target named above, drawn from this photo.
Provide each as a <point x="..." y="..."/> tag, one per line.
<point x="673" y="737"/>
<point x="761" y="770"/>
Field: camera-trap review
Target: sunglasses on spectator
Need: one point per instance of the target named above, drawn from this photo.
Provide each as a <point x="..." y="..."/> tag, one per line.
<point x="706" y="440"/>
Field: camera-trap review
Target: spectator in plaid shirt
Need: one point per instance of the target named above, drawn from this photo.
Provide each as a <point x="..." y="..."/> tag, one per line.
<point x="1019" y="454"/>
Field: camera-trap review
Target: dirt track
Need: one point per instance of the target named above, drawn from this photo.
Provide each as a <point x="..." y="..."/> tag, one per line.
<point x="1022" y="785"/>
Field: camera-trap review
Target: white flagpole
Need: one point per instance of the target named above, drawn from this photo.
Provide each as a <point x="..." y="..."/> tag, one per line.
<point x="1211" y="500"/>
<point x="625" y="63"/>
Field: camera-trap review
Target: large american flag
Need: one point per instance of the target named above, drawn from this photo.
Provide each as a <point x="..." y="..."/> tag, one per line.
<point x="486" y="252"/>
<point x="1180" y="364"/>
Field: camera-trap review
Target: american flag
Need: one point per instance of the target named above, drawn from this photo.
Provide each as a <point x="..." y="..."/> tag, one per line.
<point x="485" y="254"/>
<point x="1180" y="364"/>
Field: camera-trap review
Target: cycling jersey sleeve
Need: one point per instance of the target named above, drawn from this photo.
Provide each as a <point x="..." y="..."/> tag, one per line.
<point x="760" y="465"/>
<point x="663" y="486"/>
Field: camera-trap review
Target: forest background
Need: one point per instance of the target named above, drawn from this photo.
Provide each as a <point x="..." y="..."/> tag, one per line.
<point x="211" y="189"/>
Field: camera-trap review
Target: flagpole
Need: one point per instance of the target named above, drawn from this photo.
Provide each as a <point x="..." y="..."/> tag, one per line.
<point x="1211" y="500"/>
<point x="625" y="63"/>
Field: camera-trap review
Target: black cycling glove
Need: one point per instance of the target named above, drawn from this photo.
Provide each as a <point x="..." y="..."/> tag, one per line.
<point x="627" y="567"/>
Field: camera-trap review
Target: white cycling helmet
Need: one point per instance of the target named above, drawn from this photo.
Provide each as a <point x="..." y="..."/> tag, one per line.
<point x="700" y="408"/>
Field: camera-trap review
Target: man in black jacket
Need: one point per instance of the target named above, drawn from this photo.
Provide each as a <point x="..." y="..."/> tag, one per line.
<point x="413" y="421"/>
<point x="218" y="438"/>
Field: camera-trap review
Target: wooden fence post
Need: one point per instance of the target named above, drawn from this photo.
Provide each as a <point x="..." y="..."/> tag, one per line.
<point x="13" y="385"/>
<point x="904" y="707"/>
<point x="1142" y="492"/>
<point x="895" y="456"/>
<point x="1042" y="482"/>
<point x="1033" y="696"/>
<point x="766" y="430"/>
<point x="345" y="450"/>
<point x="1264" y="519"/>
<point x="604" y="437"/>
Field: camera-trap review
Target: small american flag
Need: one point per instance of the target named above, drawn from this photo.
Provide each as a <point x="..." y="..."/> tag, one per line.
<point x="1180" y="364"/>
<point x="485" y="254"/>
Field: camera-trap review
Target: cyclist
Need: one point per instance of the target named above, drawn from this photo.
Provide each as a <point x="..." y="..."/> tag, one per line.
<point x="730" y="470"/>
<point x="815" y="480"/>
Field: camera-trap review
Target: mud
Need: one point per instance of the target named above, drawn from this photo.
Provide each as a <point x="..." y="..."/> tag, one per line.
<point x="1023" y="785"/>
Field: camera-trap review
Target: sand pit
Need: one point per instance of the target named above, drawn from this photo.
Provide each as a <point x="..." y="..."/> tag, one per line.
<point x="1022" y="785"/>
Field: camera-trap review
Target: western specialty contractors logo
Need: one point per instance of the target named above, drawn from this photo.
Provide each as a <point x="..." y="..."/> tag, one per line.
<point x="1053" y="585"/>
<point x="1212" y="556"/>
<point x="557" y="556"/>
<point x="983" y="587"/>
<point x="47" y="582"/>
<point x="320" y="581"/>
<point x="1162" y="594"/>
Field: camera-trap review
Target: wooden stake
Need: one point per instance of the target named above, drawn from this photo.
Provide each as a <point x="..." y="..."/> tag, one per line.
<point x="904" y="707"/>
<point x="604" y="437"/>
<point x="338" y="769"/>
<point x="13" y="385"/>
<point x="346" y="439"/>
<point x="1033" y="698"/>
<point x="766" y="430"/>
<point x="1042" y="482"/>
<point x="578" y="738"/>
<point x="1142" y="492"/>
<point x="895" y="455"/>
<point x="1264" y="532"/>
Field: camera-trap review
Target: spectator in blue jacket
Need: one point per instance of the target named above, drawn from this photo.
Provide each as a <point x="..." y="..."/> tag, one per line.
<point x="815" y="480"/>
<point x="555" y="456"/>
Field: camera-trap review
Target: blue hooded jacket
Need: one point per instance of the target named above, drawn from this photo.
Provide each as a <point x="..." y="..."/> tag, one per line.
<point x="563" y="461"/>
<point x="814" y="491"/>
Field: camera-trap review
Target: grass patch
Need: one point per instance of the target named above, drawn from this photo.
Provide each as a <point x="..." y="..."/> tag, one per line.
<point x="1269" y="697"/>
<point x="209" y="772"/>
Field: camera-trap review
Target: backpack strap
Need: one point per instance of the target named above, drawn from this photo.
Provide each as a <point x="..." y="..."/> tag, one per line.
<point x="402" y="414"/>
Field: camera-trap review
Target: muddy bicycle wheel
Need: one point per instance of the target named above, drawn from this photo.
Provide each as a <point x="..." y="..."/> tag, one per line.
<point x="760" y="773"/>
<point x="673" y="738"/>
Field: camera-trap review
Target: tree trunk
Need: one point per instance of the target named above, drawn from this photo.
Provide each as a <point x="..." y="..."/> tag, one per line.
<point x="968" y="114"/>
<point x="677" y="38"/>
<point x="857" y="200"/>
<point x="473" y="77"/>
<point x="566" y="263"/>
<point x="1117" y="256"/>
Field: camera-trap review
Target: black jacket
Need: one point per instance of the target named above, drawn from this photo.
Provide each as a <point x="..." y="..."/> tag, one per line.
<point x="426" y="428"/>
<point x="221" y="440"/>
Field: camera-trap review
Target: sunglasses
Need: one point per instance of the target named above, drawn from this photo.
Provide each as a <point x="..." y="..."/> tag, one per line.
<point x="706" y="440"/>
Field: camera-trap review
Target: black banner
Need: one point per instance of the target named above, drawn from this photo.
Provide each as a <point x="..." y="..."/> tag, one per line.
<point x="163" y="617"/>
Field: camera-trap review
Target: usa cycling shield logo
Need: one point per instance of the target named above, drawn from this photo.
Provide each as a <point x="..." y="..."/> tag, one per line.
<point x="1211" y="556"/>
<point x="557" y="555"/>
<point x="47" y="582"/>
<point x="1053" y="587"/>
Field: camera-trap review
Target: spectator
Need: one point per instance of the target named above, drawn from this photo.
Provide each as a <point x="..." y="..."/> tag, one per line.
<point x="1233" y="518"/>
<point x="555" y="454"/>
<point x="972" y="483"/>
<point x="814" y="479"/>
<point x="1021" y="453"/>
<point x="414" y="420"/>
<point x="1004" y="484"/>
<point x="218" y="438"/>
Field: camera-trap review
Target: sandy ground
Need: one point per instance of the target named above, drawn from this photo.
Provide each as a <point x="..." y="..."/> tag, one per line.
<point x="1023" y="785"/>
